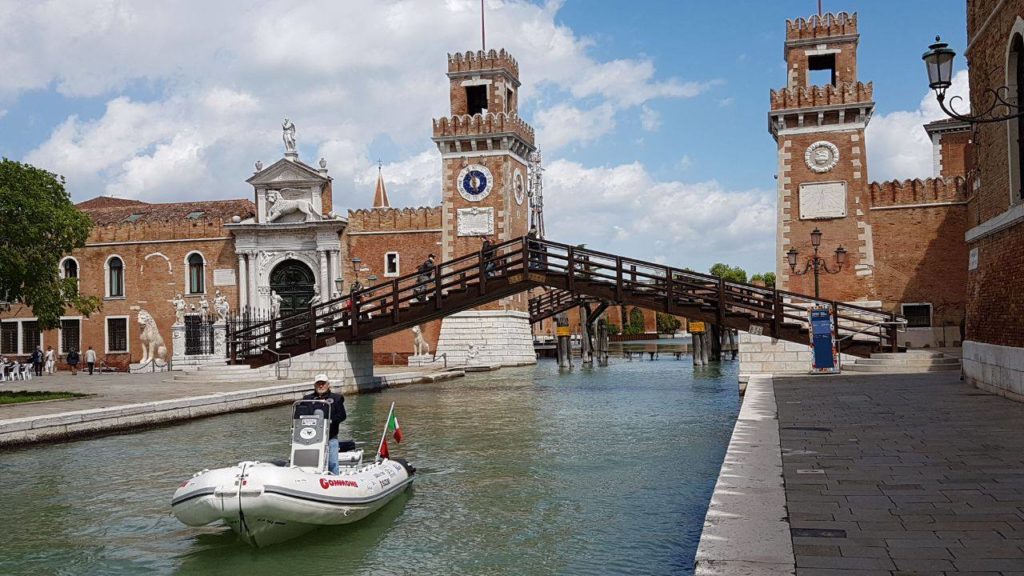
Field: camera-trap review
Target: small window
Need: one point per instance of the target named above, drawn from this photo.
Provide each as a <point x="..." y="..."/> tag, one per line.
<point x="1015" y="71"/>
<point x="195" y="274"/>
<point x="117" y="335"/>
<point x="918" y="315"/>
<point x="30" y="337"/>
<point x="70" y="268"/>
<point x="115" y="280"/>
<point x="391" y="264"/>
<point x="9" y="338"/>
<point x="70" y="335"/>
<point x="822" y="69"/>
<point x="476" y="99"/>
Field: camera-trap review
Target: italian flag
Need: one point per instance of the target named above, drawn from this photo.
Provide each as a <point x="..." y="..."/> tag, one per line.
<point x="393" y="427"/>
<point x="396" y="431"/>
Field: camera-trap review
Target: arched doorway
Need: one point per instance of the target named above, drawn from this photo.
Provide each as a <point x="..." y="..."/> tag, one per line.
<point x="293" y="281"/>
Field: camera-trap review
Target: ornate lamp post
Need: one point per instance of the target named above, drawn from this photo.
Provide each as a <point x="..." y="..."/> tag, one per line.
<point x="815" y="262"/>
<point x="939" y="62"/>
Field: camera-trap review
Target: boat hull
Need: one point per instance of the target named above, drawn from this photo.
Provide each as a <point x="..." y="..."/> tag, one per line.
<point x="266" y="504"/>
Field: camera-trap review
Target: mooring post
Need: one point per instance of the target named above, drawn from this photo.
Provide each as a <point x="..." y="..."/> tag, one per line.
<point x="586" y="354"/>
<point x="602" y="342"/>
<point x="698" y="346"/>
<point x="564" y="347"/>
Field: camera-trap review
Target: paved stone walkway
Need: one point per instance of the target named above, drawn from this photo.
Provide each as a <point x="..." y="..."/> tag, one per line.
<point x="901" y="474"/>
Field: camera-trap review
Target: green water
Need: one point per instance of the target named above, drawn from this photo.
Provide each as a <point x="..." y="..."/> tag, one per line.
<point x="521" y="471"/>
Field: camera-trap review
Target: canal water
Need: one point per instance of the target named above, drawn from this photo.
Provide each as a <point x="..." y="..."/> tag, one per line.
<point x="521" y="471"/>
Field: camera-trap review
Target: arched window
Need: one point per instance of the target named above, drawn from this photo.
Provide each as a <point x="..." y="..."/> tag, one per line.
<point x="196" y="272"/>
<point x="70" y="268"/>
<point x="1015" y="80"/>
<point x="115" y="277"/>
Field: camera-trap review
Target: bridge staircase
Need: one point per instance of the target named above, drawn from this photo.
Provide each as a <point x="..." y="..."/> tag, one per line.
<point x="578" y="275"/>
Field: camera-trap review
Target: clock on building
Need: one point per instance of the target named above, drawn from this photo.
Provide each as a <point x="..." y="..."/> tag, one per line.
<point x="519" y="187"/>
<point x="822" y="200"/>
<point x="475" y="182"/>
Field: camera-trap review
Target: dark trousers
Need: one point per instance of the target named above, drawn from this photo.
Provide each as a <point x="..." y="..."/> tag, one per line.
<point x="38" y="368"/>
<point x="91" y="366"/>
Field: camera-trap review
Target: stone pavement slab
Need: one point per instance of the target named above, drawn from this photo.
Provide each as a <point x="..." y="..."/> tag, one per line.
<point x="904" y="473"/>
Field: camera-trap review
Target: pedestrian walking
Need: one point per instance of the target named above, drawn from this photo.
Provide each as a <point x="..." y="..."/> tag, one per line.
<point x="73" y="359"/>
<point x="37" y="361"/>
<point x="90" y="359"/>
<point x="50" y="360"/>
<point x="487" y="254"/>
<point x="426" y="271"/>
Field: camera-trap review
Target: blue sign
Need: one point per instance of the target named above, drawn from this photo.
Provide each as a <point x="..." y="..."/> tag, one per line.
<point x="822" y="345"/>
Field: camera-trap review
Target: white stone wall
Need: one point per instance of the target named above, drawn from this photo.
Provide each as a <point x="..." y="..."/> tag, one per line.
<point x="499" y="337"/>
<point x="349" y="364"/>
<point x="994" y="368"/>
<point x="766" y="355"/>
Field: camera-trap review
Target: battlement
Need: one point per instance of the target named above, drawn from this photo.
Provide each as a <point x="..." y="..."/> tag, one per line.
<point x="480" y="61"/>
<point x="483" y="125"/>
<point x="917" y="191"/>
<point x="158" y="230"/>
<point x="394" y="219"/>
<point x="828" y="95"/>
<point x="819" y="27"/>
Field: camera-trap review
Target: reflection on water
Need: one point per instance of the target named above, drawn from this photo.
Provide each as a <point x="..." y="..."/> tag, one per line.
<point x="521" y="471"/>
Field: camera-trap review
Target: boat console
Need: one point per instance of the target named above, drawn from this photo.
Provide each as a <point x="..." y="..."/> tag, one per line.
<point x="311" y="424"/>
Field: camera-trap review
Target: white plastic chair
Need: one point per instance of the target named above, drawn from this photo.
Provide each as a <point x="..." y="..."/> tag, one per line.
<point x="26" y="371"/>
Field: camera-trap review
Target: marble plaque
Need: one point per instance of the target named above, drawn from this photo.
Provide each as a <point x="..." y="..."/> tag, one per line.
<point x="475" y="221"/>
<point x="972" y="259"/>
<point x="224" y="277"/>
<point x="822" y="200"/>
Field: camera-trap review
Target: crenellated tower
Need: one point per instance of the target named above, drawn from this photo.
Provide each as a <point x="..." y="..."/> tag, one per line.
<point x="818" y="121"/>
<point x="484" y="147"/>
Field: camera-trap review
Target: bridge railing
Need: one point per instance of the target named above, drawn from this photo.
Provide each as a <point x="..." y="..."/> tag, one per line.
<point x="621" y="278"/>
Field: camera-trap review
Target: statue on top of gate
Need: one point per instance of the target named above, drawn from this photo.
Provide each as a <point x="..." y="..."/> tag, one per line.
<point x="179" y="309"/>
<point x="221" y="307"/>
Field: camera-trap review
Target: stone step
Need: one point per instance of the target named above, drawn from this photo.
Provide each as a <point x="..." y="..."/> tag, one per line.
<point x="246" y="377"/>
<point x="223" y="368"/>
<point x="899" y="369"/>
<point x="911" y="361"/>
<point x="915" y="353"/>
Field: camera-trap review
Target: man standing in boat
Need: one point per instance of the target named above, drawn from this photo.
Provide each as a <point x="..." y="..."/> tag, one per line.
<point x="322" y="391"/>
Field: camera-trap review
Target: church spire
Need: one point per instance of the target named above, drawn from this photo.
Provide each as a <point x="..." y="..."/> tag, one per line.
<point x="380" y="196"/>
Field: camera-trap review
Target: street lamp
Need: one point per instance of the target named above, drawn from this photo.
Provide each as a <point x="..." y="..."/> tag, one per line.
<point x="939" y="62"/>
<point x="815" y="262"/>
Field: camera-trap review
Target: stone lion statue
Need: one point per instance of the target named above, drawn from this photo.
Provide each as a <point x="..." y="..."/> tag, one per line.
<point x="279" y="206"/>
<point x="153" y="347"/>
<point x="419" y="343"/>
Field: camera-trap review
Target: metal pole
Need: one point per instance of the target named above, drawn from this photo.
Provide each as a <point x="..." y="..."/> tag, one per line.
<point x="817" y="291"/>
<point x="385" y="434"/>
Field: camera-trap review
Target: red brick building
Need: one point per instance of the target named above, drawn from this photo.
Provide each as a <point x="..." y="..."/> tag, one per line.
<point x="138" y="256"/>
<point x="903" y="243"/>
<point x="994" y="345"/>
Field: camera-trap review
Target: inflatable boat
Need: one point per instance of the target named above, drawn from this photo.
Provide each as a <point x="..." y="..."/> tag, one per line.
<point x="267" y="502"/>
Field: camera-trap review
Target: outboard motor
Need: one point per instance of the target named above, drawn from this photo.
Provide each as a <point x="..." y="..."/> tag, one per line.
<point x="311" y="421"/>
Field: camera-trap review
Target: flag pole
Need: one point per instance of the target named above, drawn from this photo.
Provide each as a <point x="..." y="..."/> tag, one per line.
<point x="385" y="434"/>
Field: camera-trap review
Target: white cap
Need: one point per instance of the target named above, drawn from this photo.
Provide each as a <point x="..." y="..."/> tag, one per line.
<point x="321" y="378"/>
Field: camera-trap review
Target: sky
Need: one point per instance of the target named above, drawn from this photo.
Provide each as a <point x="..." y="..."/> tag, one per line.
<point x="651" y="114"/>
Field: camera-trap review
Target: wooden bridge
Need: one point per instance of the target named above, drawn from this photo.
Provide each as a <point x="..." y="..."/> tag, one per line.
<point x="578" y="276"/>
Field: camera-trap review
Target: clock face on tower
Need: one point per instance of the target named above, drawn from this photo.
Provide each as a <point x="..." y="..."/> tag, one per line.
<point x="519" y="187"/>
<point x="474" y="182"/>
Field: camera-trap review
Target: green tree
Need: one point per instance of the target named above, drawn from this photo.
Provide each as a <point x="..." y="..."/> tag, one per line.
<point x="667" y="323"/>
<point x="39" y="225"/>
<point x="730" y="273"/>
<point x="613" y="329"/>
<point x="769" y="279"/>
<point x="636" y="322"/>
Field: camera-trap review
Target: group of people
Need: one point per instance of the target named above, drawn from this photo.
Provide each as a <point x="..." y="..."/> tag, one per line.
<point x="40" y="362"/>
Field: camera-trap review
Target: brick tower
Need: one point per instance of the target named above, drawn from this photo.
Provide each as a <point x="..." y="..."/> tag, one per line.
<point x="484" y="148"/>
<point x="818" y="121"/>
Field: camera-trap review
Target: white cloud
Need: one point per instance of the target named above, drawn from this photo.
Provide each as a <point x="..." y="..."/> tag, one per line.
<point x="726" y="102"/>
<point x="650" y="118"/>
<point x="898" y="146"/>
<point x="622" y="209"/>
<point x="564" y="124"/>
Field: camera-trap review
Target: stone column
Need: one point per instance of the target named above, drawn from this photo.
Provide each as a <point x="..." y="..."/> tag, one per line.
<point x="220" y="340"/>
<point x="243" y="283"/>
<point x="325" y="286"/>
<point x="252" y="285"/>
<point x="335" y="269"/>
